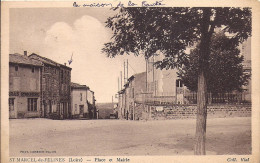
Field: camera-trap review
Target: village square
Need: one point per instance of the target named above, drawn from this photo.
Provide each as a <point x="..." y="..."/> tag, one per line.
<point x="82" y="84"/>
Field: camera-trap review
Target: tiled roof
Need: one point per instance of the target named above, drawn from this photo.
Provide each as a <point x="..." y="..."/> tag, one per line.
<point x="22" y="59"/>
<point x="43" y="59"/>
<point x="47" y="60"/>
<point x="76" y="85"/>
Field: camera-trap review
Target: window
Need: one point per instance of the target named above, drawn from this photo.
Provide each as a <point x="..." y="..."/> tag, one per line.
<point x="16" y="68"/>
<point x="179" y="83"/>
<point x="32" y="104"/>
<point x="33" y="70"/>
<point x="76" y="107"/>
<point x="11" y="104"/>
<point x="81" y="109"/>
<point x="80" y="96"/>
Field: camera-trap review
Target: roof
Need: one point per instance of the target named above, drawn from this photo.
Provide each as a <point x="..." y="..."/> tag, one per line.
<point x="136" y="76"/>
<point x="78" y="86"/>
<point x="43" y="59"/>
<point x="22" y="59"/>
<point x="139" y="75"/>
<point x="47" y="60"/>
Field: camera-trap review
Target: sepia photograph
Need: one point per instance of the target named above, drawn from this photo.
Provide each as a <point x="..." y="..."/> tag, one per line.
<point x="129" y="79"/>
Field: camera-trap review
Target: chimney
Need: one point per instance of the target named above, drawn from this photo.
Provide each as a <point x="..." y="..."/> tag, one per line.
<point x="25" y="53"/>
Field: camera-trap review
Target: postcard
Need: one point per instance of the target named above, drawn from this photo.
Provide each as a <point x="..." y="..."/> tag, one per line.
<point x="130" y="81"/>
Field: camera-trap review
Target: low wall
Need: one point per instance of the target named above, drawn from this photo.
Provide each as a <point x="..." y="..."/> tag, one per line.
<point x="22" y="114"/>
<point x="189" y="111"/>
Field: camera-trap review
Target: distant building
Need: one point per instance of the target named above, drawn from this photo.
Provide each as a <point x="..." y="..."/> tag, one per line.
<point x="121" y="104"/>
<point x="24" y="86"/>
<point x="56" y="78"/>
<point x="79" y="105"/>
<point x="131" y="96"/>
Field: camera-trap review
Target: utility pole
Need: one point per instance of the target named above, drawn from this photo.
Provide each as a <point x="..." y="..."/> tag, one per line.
<point x="118" y="85"/>
<point x="146" y="61"/>
<point x="124" y="72"/>
<point x="126" y="69"/>
<point x="121" y="80"/>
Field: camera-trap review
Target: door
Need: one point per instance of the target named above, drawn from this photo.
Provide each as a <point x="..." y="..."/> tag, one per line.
<point x="50" y="107"/>
<point x="12" y="111"/>
<point x="65" y="110"/>
<point x="81" y="110"/>
<point x="44" y="109"/>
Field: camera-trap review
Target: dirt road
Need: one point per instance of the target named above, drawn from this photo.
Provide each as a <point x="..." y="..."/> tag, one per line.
<point x="44" y="137"/>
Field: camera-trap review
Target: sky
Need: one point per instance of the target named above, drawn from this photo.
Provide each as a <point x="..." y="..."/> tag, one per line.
<point x="57" y="33"/>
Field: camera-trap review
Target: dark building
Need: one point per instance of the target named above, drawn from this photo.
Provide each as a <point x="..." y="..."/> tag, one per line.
<point x="65" y="91"/>
<point x="55" y="85"/>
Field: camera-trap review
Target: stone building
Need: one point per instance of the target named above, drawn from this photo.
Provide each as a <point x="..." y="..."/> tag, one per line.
<point x="24" y="86"/>
<point x="56" y="78"/>
<point x="65" y="91"/>
<point x="79" y="105"/>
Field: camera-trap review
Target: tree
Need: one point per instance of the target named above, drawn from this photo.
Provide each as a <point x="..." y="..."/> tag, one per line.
<point x="225" y="72"/>
<point x="170" y="31"/>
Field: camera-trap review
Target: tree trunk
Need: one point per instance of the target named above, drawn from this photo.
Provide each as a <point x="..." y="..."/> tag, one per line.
<point x="200" y="136"/>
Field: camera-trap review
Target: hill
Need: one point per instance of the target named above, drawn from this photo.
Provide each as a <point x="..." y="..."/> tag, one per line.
<point x="105" y="109"/>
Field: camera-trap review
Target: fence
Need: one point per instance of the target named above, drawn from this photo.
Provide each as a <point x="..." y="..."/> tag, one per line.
<point x="191" y="98"/>
<point x="221" y="98"/>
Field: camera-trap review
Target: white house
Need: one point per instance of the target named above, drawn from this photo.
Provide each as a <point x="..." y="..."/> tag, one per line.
<point x="79" y="106"/>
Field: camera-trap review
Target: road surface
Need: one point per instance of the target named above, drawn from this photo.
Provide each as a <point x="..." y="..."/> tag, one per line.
<point x="45" y="137"/>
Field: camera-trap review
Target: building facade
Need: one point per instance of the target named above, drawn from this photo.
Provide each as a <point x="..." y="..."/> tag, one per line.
<point x="56" y="95"/>
<point x="24" y="86"/>
<point x="164" y="89"/>
<point x="65" y="91"/>
<point x="131" y="96"/>
<point x="163" y="86"/>
<point x="79" y="105"/>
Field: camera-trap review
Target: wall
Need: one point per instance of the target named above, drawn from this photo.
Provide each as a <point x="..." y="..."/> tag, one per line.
<point x="22" y="108"/>
<point x="20" y="82"/>
<point x="24" y="79"/>
<point x="189" y="111"/>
